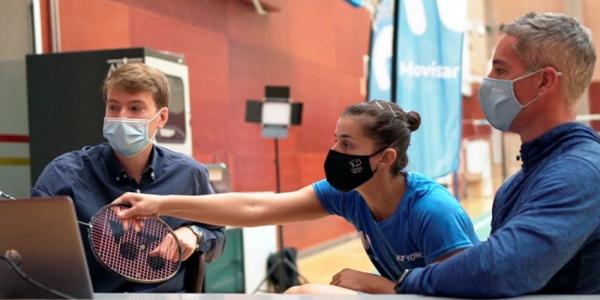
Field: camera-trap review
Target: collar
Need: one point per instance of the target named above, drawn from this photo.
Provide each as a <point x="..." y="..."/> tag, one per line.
<point x="118" y="174"/>
<point x="541" y="147"/>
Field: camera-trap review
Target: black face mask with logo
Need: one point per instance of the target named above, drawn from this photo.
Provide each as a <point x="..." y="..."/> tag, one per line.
<point x="346" y="172"/>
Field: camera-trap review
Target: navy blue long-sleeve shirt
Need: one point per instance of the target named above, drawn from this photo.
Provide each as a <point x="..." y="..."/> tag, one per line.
<point x="545" y="227"/>
<point x="93" y="178"/>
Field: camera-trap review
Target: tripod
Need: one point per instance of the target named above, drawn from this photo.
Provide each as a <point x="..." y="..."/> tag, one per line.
<point x="281" y="262"/>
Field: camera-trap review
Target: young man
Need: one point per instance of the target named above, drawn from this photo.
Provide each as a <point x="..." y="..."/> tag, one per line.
<point x="136" y="98"/>
<point x="546" y="218"/>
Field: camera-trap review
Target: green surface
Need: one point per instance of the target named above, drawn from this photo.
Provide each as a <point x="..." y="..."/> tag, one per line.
<point x="226" y="274"/>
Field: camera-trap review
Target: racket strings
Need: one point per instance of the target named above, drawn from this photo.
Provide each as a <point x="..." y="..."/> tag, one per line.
<point x="128" y="252"/>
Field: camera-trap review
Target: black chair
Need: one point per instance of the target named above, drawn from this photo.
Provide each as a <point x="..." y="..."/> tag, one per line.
<point x="194" y="274"/>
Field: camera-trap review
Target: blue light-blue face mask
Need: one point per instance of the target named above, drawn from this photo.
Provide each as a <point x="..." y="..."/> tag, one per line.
<point x="128" y="137"/>
<point x="499" y="102"/>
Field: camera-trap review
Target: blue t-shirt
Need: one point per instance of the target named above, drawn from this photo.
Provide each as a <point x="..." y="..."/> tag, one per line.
<point x="427" y="224"/>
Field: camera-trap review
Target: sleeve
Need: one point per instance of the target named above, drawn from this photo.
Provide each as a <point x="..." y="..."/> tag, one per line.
<point x="334" y="201"/>
<point x="213" y="236"/>
<point x="55" y="180"/>
<point x="559" y="215"/>
<point x="442" y="226"/>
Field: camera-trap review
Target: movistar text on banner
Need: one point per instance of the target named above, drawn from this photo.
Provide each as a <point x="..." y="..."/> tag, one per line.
<point x="429" y="52"/>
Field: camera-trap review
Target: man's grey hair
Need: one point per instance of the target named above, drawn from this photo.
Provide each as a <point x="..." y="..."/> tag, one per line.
<point x="558" y="41"/>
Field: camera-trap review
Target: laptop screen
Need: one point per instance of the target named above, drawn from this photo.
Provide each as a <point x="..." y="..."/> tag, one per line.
<point x="42" y="237"/>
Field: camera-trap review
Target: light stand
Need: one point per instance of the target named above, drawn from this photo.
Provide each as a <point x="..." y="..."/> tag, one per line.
<point x="276" y="114"/>
<point x="277" y="176"/>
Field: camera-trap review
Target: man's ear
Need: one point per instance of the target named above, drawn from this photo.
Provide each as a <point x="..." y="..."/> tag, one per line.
<point x="550" y="80"/>
<point x="164" y="117"/>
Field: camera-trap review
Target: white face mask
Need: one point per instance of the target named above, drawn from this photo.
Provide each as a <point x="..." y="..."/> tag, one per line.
<point x="499" y="102"/>
<point x="128" y="137"/>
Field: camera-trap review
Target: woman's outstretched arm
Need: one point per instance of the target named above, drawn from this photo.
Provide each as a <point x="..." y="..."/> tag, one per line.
<point x="233" y="209"/>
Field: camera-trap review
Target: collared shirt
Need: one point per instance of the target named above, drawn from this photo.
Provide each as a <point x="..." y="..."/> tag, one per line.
<point x="93" y="178"/>
<point x="545" y="227"/>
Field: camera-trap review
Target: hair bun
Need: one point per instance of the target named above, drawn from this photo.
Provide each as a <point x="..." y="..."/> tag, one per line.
<point x="413" y="119"/>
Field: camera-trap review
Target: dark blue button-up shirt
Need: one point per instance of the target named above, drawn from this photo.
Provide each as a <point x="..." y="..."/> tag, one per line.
<point x="93" y="178"/>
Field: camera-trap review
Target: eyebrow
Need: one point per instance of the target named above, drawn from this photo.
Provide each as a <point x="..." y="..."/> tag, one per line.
<point x="345" y="136"/>
<point x="135" y="101"/>
<point x="498" y="62"/>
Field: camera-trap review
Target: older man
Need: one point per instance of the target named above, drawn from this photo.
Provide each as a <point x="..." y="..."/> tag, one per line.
<point x="546" y="218"/>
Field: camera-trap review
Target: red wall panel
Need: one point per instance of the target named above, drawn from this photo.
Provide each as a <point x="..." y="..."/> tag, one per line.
<point x="314" y="46"/>
<point x="244" y="25"/>
<point x="45" y="26"/>
<point x="348" y="32"/>
<point x="312" y="36"/>
<point x="202" y="14"/>
<point x="92" y="25"/>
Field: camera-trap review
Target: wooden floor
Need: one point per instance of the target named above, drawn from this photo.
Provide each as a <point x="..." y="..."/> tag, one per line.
<point x="319" y="266"/>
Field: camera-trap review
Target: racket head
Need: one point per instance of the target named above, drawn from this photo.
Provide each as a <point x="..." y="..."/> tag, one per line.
<point x="127" y="253"/>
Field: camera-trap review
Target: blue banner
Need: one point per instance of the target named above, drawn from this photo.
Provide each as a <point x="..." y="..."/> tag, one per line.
<point x="429" y="53"/>
<point x="380" y="62"/>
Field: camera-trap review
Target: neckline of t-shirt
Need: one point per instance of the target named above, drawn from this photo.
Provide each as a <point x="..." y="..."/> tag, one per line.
<point x="401" y="208"/>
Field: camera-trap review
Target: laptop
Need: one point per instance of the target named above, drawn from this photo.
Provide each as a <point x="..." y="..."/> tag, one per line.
<point x="42" y="237"/>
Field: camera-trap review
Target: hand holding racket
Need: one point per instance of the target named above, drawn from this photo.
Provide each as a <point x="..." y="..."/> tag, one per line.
<point x="138" y="207"/>
<point x="150" y="254"/>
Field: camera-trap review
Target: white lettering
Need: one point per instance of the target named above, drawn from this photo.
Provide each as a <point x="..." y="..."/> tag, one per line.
<point x="410" y="257"/>
<point x="432" y="70"/>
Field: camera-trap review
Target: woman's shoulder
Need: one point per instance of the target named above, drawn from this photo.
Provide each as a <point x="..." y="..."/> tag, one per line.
<point x="429" y="195"/>
<point x="422" y="186"/>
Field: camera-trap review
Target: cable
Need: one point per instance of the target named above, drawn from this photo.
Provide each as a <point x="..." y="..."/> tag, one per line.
<point x="15" y="268"/>
<point x="6" y="196"/>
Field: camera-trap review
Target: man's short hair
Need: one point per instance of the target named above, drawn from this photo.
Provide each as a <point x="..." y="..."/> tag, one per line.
<point x="139" y="77"/>
<point x="559" y="41"/>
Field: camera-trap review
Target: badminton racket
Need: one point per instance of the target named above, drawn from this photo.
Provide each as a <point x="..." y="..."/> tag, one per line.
<point x="150" y="254"/>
